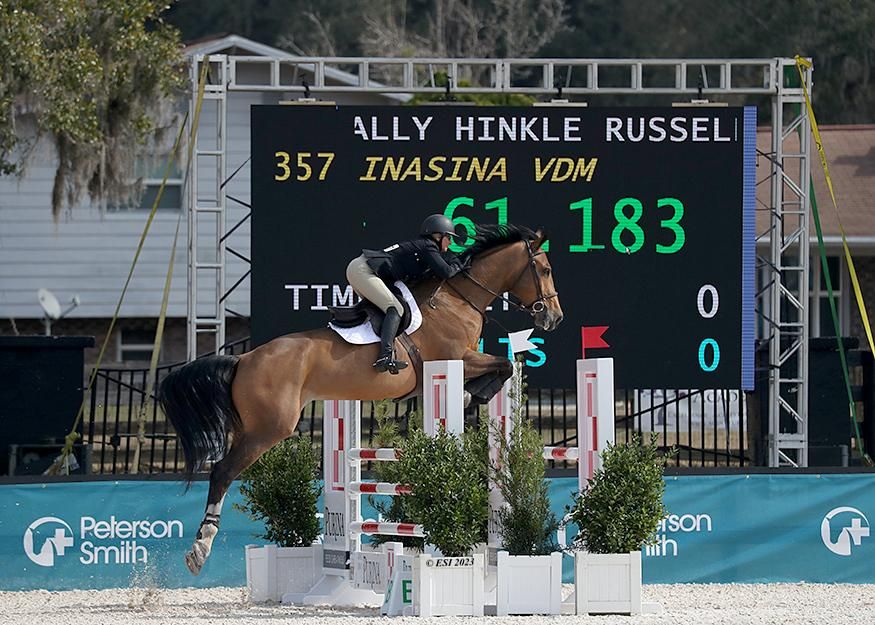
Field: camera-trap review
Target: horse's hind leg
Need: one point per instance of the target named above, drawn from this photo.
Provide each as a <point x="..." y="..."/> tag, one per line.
<point x="245" y="449"/>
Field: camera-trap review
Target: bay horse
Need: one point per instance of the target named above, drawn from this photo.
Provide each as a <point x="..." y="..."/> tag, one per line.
<point x="237" y="407"/>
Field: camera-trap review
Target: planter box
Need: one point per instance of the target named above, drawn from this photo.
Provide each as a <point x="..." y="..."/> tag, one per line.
<point x="607" y="583"/>
<point x="448" y="586"/>
<point x="272" y="571"/>
<point x="529" y="584"/>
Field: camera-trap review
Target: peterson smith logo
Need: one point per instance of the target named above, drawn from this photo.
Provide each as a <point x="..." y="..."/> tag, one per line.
<point x="41" y="545"/>
<point x="99" y="542"/>
<point x="848" y="533"/>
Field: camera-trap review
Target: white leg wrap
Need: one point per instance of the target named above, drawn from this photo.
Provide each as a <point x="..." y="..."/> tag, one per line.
<point x="216" y="508"/>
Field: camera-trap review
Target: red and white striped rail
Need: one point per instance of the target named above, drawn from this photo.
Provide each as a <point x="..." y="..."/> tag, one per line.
<point x="561" y="453"/>
<point x="387" y="529"/>
<point x="379" y="488"/>
<point x="384" y="454"/>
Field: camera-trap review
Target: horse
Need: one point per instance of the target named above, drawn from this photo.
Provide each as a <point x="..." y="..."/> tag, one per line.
<point x="235" y="408"/>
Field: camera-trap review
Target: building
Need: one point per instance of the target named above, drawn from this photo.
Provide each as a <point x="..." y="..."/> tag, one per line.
<point x="89" y="250"/>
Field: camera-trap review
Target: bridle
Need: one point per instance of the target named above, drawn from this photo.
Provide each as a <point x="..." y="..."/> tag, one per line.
<point x="538" y="305"/>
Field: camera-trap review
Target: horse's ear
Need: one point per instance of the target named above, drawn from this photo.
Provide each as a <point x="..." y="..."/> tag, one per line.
<point x="540" y="237"/>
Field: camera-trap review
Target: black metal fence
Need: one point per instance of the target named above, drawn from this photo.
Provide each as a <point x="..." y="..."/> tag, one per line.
<point x="698" y="428"/>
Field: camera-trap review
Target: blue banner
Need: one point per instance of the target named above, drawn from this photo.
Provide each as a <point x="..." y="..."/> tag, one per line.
<point x="114" y="534"/>
<point x="766" y="528"/>
<point x="728" y="528"/>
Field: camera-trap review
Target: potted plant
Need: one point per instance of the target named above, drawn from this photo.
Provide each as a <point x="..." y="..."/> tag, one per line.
<point x="617" y="515"/>
<point x="529" y="568"/>
<point x="281" y="490"/>
<point x="449" y="499"/>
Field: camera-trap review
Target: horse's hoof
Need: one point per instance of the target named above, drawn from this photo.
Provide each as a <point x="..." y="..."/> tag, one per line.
<point x="191" y="561"/>
<point x="195" y="558"/>
<point x="466" y="398"/>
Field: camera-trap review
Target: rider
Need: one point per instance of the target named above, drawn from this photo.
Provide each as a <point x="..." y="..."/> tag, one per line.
<point x="409" y="260"/>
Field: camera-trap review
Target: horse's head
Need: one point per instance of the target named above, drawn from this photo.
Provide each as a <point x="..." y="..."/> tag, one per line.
<point x="534" y="286"/>
<point x="509" y="258"/>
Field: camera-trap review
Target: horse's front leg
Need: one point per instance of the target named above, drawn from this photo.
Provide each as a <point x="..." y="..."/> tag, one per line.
<point x="485" y="374"/>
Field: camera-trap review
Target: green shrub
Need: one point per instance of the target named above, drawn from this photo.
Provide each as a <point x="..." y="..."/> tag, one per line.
<point x="622" y="505"/>
<point x="281" y="490"/>
<point x="527" y="525"/>
<point x="449" y="498"/>
<point x="392" y="509"/>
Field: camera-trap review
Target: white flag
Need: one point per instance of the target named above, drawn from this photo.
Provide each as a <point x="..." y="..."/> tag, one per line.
<point x="519" y="341"/>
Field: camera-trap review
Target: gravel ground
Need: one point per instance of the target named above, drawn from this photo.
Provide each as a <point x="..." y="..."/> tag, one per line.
<point x="693" y="604"/>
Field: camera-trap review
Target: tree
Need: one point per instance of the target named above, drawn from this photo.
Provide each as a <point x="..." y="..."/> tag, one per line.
<point x="97" y="77"/>
<point x="462" y="28"/>
<point x="837" y="35"/>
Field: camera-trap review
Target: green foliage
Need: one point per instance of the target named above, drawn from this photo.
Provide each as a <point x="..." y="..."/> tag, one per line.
<point x="838" y="35"/>
<point x="97" y="77"/>
<point x="449" y="493"/>
<point x="622" y="506"/>
<point x="527" y="525"/>
<point x="281" y="489"/>
<point x="480" y="99"/>
<point x="387" y="435"/>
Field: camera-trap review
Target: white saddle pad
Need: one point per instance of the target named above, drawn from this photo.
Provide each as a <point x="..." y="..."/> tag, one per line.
<point x="363" y="333"/>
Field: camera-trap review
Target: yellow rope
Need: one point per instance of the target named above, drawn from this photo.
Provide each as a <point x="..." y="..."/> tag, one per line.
<point x="159" y="330"/>
<point x="800" y="64"/>
<point x="72" y="436"/>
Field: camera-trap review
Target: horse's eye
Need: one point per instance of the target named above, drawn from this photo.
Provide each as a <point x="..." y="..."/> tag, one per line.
<point x="546" y="272"/>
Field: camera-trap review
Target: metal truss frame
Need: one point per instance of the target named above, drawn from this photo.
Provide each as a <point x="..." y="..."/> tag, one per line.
<point x="785" y="290"/>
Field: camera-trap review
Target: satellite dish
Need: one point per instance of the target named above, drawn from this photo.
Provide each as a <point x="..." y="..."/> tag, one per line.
<point x="49" y="303"/>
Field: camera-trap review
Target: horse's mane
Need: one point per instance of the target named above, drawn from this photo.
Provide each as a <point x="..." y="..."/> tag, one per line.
<point x="489" y="236"/>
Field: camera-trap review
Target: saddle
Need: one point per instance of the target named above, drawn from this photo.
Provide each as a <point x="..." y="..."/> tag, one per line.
<point x="365" y="311"/>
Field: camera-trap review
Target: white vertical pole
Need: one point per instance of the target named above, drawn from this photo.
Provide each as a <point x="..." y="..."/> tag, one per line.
<point x="443" y="386"/>
<point x="341" y="427"/>
<point x="502" y="408"/>
<point x="595" y="413"/>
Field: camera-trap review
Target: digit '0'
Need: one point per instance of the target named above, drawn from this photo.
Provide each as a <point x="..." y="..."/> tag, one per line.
<point x="716" y="357"/>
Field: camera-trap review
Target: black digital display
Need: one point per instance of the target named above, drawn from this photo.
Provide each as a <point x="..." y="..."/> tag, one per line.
<point x="649" y="213"/>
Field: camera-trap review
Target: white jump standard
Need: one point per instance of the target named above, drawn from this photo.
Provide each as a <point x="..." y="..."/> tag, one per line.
<point x="343" y="455"/>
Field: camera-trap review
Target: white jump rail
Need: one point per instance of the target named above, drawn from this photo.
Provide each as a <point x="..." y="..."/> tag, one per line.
<point x="380" y="454"/>
<point x="391" y="529"/>
<point x="378" y="488"/>
<point x="343" y="454"/>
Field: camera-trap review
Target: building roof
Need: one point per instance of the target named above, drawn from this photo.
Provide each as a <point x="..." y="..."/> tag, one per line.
<point x="850" y="153"/>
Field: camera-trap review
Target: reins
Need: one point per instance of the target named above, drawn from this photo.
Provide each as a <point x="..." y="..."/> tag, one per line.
<point x="533" y="308"/>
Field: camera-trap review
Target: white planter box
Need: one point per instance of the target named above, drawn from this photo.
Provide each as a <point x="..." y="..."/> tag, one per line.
<point x="272" y="571"/>
<point x="529" y="584"/>
<point x="448" y="586"/>
<point x="607" y="583"/>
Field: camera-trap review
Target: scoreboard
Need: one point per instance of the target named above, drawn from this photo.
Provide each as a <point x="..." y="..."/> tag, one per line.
<point x="649" y="213"/>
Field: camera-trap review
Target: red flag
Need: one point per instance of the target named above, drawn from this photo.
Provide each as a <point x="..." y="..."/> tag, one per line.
<point x="591" y="337"/>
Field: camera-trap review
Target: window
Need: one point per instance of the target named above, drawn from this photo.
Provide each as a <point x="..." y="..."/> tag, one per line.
<point x="820" y="316"/>
<point x="135" y="345"/>
<point x="150" y="169"/>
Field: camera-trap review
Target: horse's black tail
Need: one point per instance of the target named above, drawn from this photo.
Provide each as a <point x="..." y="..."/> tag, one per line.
<point x="197" y="400"/>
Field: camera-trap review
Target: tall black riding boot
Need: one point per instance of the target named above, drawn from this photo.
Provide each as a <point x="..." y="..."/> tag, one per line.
<point x="386" y="361"/>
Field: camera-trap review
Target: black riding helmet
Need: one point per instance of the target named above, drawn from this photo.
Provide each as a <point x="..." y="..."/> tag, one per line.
<point x="437" y="224"/>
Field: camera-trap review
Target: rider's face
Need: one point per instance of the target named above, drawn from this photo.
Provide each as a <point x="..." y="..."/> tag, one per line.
<point x="443" y="240"/>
